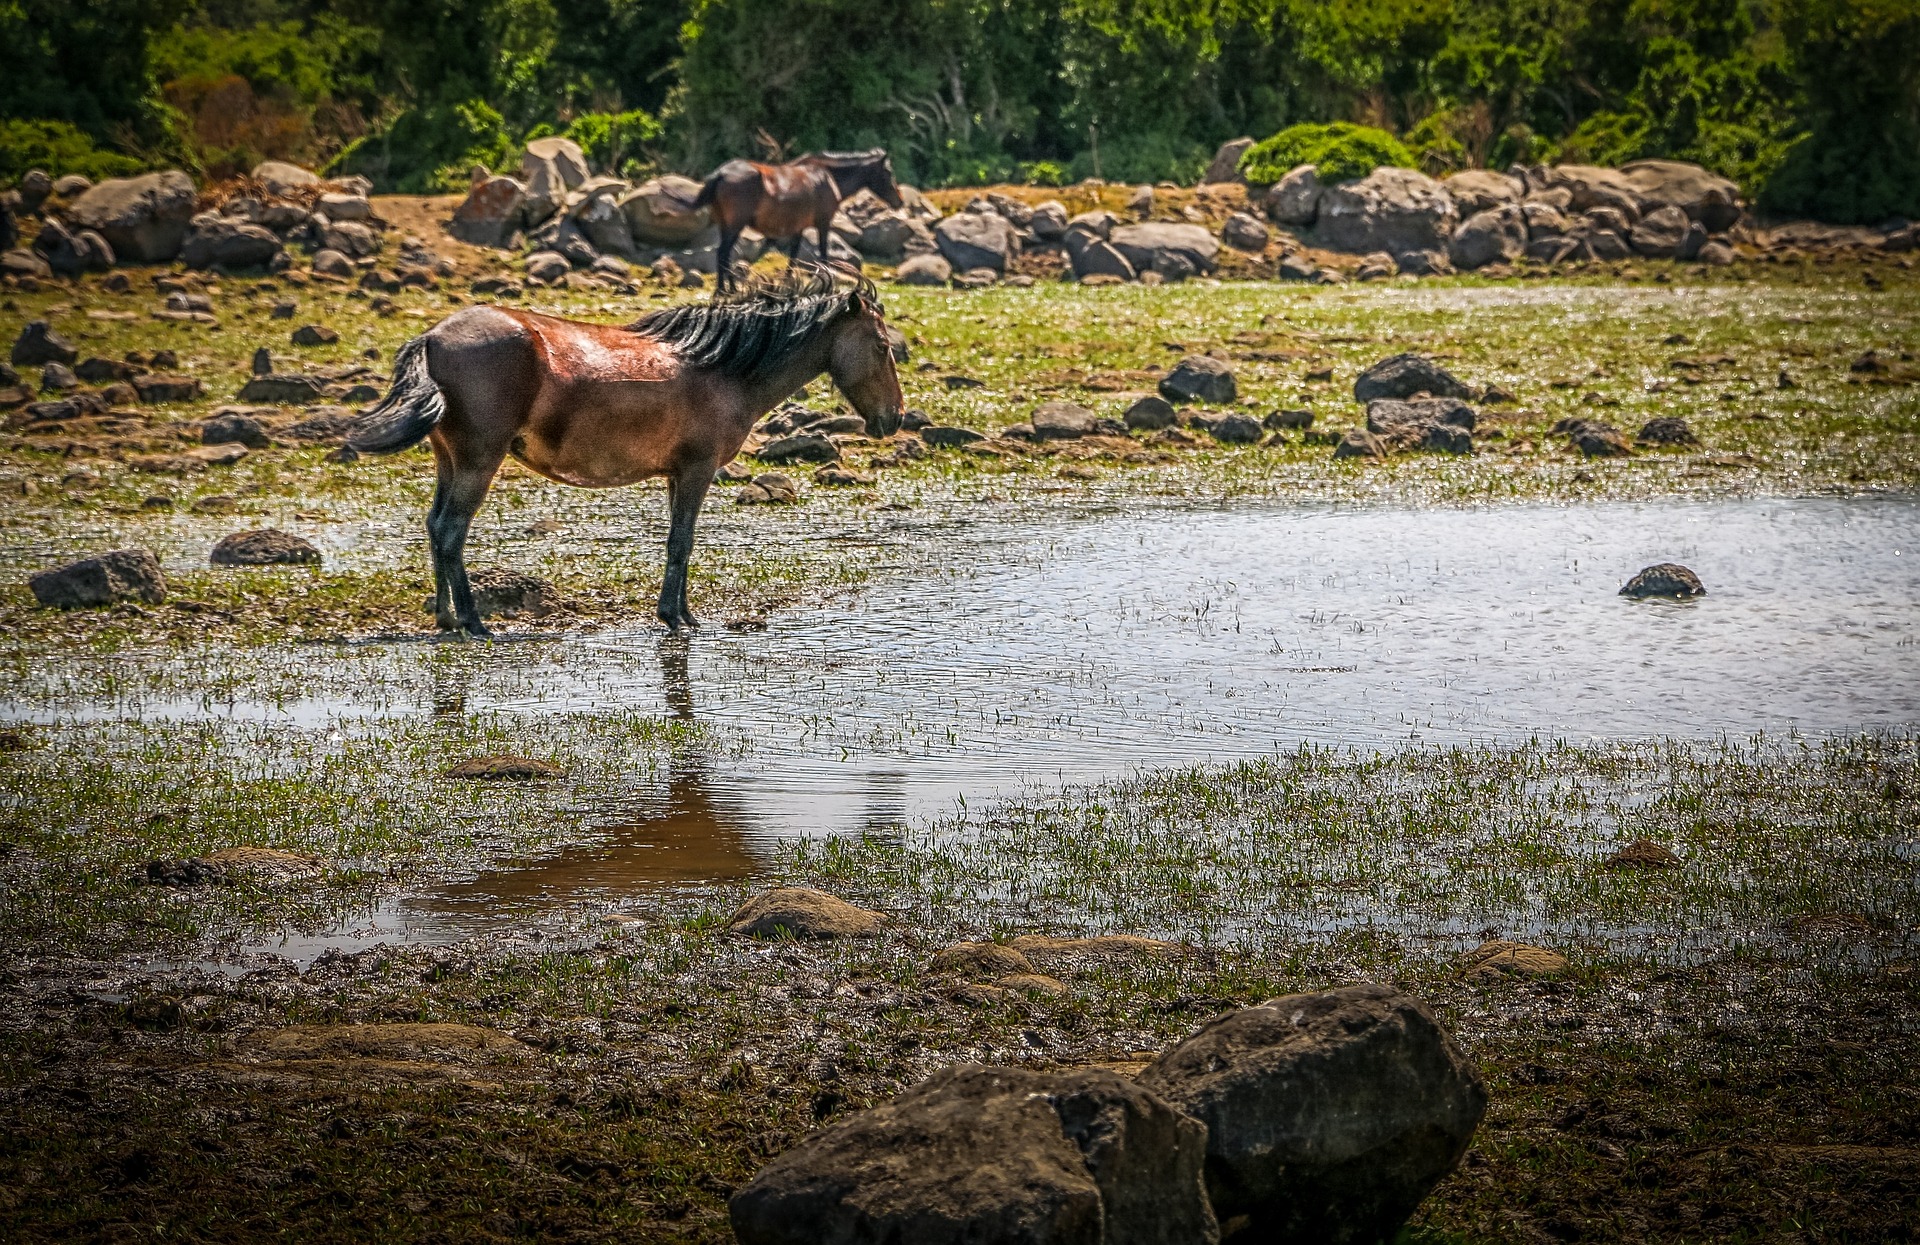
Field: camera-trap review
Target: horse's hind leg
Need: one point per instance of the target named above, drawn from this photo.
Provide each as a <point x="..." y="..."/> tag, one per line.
<point x="686" y="490"/>
<point x="464" y="480"/>
<point x="723" y="261"/>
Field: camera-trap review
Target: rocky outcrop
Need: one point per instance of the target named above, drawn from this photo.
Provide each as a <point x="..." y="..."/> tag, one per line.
<point x="1481" y="190"/>
<point x="1225" y="165"/>
<point x="972" y="240"/>
<point x="143" y="218"/>
<point x="1498" y="234"/>
<point x="1328" y="1116"/>
<point x="226" y="242"/>
<point x="1175" y="251"/>
<point x="660" y="212"/>
<point x="1295" y="198"/>
<point x="549" y="168"/>
<point x="1399" y="211"/>
<point x="125" y="574"/>
<point x="492" y="213"/>
<point x="1003" y="1155"/>
<point x="1705" y="197"/>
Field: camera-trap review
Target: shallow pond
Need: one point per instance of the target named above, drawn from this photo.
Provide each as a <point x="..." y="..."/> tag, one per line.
<point x="1071" y="651"/>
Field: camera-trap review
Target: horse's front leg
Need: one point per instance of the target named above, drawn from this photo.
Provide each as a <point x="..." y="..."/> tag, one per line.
<point x="723" y="261"/>
<point x="686" y="491"/>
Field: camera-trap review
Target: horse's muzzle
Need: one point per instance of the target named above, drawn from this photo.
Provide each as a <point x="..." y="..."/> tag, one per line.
<point x="885" y="424"/>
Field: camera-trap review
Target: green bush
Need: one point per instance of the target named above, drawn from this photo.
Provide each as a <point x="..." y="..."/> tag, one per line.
<point x="1145" y="157"/>
<point x="612" y="140"/>
<point x="1340" y="151"/>
<point x="1043" y="173"/>
<point x="59" y="148"/>
<point x="429" y="150"/>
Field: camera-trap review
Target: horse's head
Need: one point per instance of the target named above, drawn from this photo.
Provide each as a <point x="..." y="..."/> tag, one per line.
<point x="861" y="362"/>
<point x="881" y="182"/>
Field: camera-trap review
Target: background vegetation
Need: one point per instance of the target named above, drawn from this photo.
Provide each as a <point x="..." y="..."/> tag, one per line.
<point x="1814" y="105"/>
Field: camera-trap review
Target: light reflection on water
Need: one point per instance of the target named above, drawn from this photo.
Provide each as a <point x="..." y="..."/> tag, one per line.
<point x="1075" y="651"/>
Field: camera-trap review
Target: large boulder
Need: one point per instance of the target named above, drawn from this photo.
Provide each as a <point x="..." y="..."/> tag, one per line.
<point x="660" y="212"/>
<point x="976" y="240"/>
<point x="38" y="345"/>
<point x="1403" y="376"/>
<point x="228" y="243"/>
<point x="1244" y="232"/>
<point x="1225" y="165"/>
<point x="1593" y="187"/>
<point x="1295" y="198"/>
<point x="1706" y="197"/>
<point x="349" y="237"/>
<point x="1478" y="190"/>
<point x="1394" y="210"/>
<point x="891" y="238"/>
<point x="549" y="168"/>
<point x="70" y="254"/>
<point x="924" y="270"/>
<point x="1497" y="234"/>
<point x="1049" y="222"/>
<point x="1664" y="233"/>
<point x="1200" y="378"/>
<point x="279" y="177"/>
<point x="143" y="218"/>
<point x="1173" y="250"/>
<point x="491" y="214"/>
<point x="1329" y="1116"/>
<point x="991" y="1156"/>
<point x="122" y="574"/>
<point x="34" y="188"/>
<point x="599" y="216"/>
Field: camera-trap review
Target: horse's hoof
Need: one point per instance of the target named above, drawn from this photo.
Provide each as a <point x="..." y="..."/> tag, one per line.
<point x="475" y="631"/>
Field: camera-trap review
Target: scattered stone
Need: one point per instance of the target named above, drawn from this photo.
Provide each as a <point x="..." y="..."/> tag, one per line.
<point x="1062" y="421"/>
<point x="350" y="238"/>
<point x="491" y="214"/>
<point x="769" y="488"/>
<point x="944" y="436"/>
<point x="974" y="1155"/>
<point x="804" y="447"/>
<point x="38" y="344"/>
<point x="1716" y="252"/>
<point x="331" y="263"/>
<point x="1150" y="414"/>
<point x="234" y="428"/>
<point x="1231" y="427"/>
<point x="1644" y="854"/>
<point x="283" y="310"/>
<point x="1664" y="579"/>
<point x="122" y="574"/>
<point x="1329" y="1116"/>
<point x="1495" y="235"/>
<point x="1667" y="430"/>
<point x="802" y="912"/>
<point x="266" y="547"/>
<point x="1359" y="443"/>
<point x="502" y="592"/>
<point x="161" y="387"/>
<point x="284" y="389"/>
<point x="1288" y="421"/>
<point x="1403" y="376"/>
<point x="972" y="240"/>
<point x="1042" y="946"/>
<point x="841" y="477"/>
<point x="980" y="959"/>
<point x="264" y="866"/>
<point x="1499" y="957"/>
<point x="262" y="364"/>
<point x="547" y="266"/>
<point x="315" y="335"/>
<point x="1593" y="438"/>
<point x="504" y="767"/>
<point x="57" y="378"/>
<point x="1200" y="378"/>
<point x="222" y="241"/>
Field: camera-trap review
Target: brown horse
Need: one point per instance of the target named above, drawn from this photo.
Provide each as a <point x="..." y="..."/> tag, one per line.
<point x="781" y="200"/>
<point x="674" y="394"/>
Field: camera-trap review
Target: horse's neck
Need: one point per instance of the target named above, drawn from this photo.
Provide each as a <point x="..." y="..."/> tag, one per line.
<point x="811" y="360"/>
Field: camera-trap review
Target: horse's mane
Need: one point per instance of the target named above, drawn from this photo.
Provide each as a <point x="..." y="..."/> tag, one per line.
<point x="847" y="159"/>
<point x="752" y="330"/>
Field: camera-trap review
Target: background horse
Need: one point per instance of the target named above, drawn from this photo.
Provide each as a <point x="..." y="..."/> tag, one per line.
<point x="674" y="394"/>
<point x="781" y="200"/>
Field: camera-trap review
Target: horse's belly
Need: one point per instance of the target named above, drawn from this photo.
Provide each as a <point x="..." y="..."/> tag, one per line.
<point x="587" y="466"/>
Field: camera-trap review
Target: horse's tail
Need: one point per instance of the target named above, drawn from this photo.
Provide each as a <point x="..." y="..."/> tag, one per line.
<point x="708" y="189"/>
<point x="412" y="407"/>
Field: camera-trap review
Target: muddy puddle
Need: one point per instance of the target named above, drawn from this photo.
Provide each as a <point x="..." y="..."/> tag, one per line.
<point x="1065" y="652"/>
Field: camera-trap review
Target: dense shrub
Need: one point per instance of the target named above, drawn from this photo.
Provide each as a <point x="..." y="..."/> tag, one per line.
<point x="1043" y="173"/>
<point x="430" y="150"/>
<point x="612" y="141"/>
<point x="1339" y="151"/>
<point x="59" y="148"/>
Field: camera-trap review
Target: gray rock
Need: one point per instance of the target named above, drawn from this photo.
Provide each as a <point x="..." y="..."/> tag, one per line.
<point x="548" y="266"/>
<point x="351" y="238"/>
<point x="279" y="177"/>
<point x="1230" y="427"/>
<point x="1295" y="198"/>
<point x="266" y="547"/>
<point x="1049" y="221"/>
<point x="21" y="262"/>
<point x="1424" y="263"/>
<point x="228" y="243"/>
<point x="332" y="264"/>
<point x="1394" y="210"/>
<point x="1093" y="256"/>
<point x="1376" y="267"/>
<point x="1479" y="190"/>
<point x="1245" y="233"/>
<point x="549" y="168"/>
<point x="1498" y="234"/>
<point x="890" y="238"/>
<point x="143" y="218"/>
<point x="1544" y="221"/>
<point x="1062" y="421"/>
<point x="1173" y="250"/>
<point x="34" y="189"/>
<point x="70" y="254"/>
<point x="491" y="214"/>
<point x="1225" y="165"/>
<point x="1288" y="421"/>
<point x="660" y="212"/>
<point x="1403" y="376"/>
<point x="1329" y="1115"/>
<point x="336" y="206"/>
<point x="804" y="447"/>
<point x="1607" y="244"/>
<point x="1150" y="414"/>
<point x="1200" y="378"/>
<point x="283" y="389"/>
<point x="237" y="429"/>
<point x="70" y="185"/>
<point x="991" y="1156"/>
<point x="924" y="270"/>
<point x="123" y="574"/>
<point x="947" y="436"/>
<point x="1410" y="417"/>
<point x="1297" y="267"/>
<point x="975" y="240"/>
<point x="1708" y="198"/>
<point x="1589" y="187"/>
<point x="1717" y="252"/>
<point x="314" y="335"/>
<point x="1667" y="430"/>
<point x="1359" y="443"/>
<point x="57" y="378"/>
<point x="599" y="216"/>
<point x="1098" y="223"/>
<point x="1665" y="579"/>
<point x="1661" y="233"/>
<point x="38" y="344"/>
<point x="1558" y="250"/>
<point x="1593" y="438"/>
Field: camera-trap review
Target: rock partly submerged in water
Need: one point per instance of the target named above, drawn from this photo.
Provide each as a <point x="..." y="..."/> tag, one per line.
<point x="504" y="767"/>
<point x="124" y="574"/>
<point x="266" y="547"/>
<point x="1664" y="579"/>
<point x="802" y="912"/>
